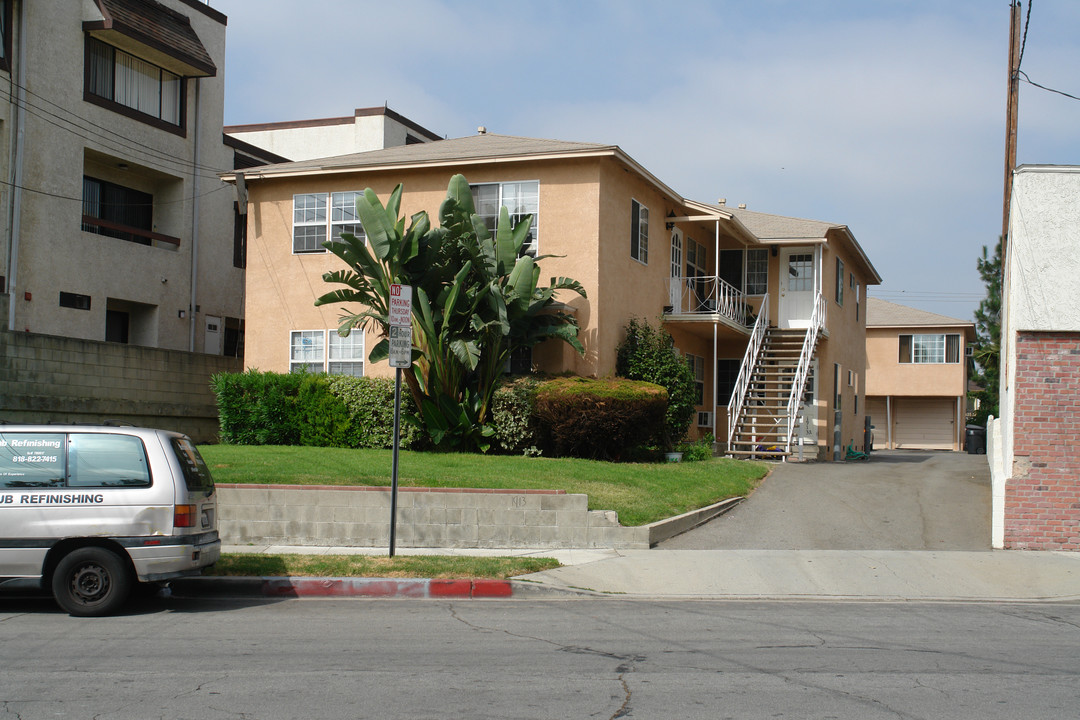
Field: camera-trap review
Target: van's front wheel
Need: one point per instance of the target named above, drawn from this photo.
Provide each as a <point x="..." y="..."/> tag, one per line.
<point x="91" y="581"/>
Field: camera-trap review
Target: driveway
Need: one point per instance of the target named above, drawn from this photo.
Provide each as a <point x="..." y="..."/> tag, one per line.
<point x="898" y="500"/>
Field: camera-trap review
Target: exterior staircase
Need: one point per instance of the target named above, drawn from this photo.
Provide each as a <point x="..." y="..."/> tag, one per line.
<point x="762" y="428"/>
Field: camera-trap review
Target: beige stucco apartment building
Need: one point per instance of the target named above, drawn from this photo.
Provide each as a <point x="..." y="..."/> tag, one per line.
<point x="916" y="377"/>
<point x="706" y="271"/>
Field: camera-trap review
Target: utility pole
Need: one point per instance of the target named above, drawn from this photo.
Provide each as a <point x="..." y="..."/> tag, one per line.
<point x="1011" y="110"/>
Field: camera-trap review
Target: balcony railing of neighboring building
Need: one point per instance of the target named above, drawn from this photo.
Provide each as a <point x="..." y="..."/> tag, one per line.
<point x="126" y="232"/>
<point x="709" y="295"/>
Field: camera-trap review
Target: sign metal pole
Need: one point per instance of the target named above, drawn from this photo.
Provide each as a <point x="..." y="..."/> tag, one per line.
<point x="400" y="317"/>
<point x="394" y="469"/>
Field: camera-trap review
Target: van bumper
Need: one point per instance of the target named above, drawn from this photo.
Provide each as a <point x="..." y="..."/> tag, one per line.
<point x="164" y="558"/>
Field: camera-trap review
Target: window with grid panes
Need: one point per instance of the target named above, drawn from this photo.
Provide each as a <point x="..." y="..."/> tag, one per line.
<point x="519" y="199"/>
<point x="757" y="271"/>
<point x="307" y="350"/>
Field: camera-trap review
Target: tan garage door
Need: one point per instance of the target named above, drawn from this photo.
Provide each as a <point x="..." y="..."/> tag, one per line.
<point x="924" y="423"/>
<point x="876" y="408"/>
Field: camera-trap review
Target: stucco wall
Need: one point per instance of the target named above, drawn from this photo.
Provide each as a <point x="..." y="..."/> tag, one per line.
<point x="55" y="379"/>
<point x="173" y="287"/>
<point x="886" y="375"/>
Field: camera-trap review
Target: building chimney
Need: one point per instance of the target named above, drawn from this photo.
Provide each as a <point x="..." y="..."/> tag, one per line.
<point x="742" y="206"/>
<point x="481" y="130"/>
<point x="722" y="201"/>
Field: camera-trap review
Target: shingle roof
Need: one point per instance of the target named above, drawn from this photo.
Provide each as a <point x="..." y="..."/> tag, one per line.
<point x="157" y="27"/>
<point x="882" y="313"/>
<point x="778" y="227"/>
<point x="471" y="148"/>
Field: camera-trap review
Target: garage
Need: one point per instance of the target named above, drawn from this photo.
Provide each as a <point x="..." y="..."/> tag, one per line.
<point x="918" y="423"/>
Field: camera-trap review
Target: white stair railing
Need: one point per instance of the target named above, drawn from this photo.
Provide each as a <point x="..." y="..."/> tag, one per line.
<point x="798" y="383"/>
<point x="746" y="371"/>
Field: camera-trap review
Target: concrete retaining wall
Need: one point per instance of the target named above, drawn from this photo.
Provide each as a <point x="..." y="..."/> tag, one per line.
<point x="451" y="518"/>
<point x="45" y="378"/>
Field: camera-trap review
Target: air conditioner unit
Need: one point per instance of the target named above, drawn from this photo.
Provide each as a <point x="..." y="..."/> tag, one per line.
<point x="705" y="419"/>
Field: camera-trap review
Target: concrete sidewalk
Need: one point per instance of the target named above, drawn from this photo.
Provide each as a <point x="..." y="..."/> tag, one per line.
<point x="869" y="575"/>
<point x="823" y="574"/>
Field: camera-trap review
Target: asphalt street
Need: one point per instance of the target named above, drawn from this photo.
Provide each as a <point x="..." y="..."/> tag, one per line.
<point x="261" y="659"/>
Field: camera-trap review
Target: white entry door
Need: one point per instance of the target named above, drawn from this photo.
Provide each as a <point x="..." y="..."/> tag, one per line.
<point x="212" y="344"/>
<point x="797" y="286"/>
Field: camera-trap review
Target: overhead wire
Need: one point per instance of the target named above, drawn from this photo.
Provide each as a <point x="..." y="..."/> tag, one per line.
<point x="1019" y="61"/>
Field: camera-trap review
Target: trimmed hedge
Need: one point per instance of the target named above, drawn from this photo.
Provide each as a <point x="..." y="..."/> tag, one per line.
<point x="599" y="419"/>
<point x="513" y="415"/>
<point x="267" y="408"/>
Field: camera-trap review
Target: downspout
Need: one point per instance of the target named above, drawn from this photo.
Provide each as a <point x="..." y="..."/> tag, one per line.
<point x="17" y="167"/>
<point x="194" y="223"/>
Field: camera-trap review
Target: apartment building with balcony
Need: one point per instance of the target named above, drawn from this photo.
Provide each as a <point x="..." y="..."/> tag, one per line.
<point x="769" y="311"/>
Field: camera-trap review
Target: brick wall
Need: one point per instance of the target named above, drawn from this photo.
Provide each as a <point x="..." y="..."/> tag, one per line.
<point x="1042" y="496"/>
<point x="44" y="378"/>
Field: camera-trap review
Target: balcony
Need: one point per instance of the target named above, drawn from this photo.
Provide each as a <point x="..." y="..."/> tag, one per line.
<point x="708" y="298"/>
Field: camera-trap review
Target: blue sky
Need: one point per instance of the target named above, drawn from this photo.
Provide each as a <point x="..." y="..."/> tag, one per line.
<point x="886" y="116"/>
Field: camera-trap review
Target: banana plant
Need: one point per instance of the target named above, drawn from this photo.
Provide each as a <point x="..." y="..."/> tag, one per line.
<point x="477" y="300"/>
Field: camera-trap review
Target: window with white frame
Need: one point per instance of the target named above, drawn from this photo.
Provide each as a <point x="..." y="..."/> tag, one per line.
<point x="937" y="348"/>
<point x="324" y="351"/>
<point x="317" y="216"/>
<point x="346" y="355"/>
<point x="757" y="271"/>
<point x="639" y="232"/>
<point x="519" y="198"/>
<point x="307" y="350"/>
<point x="122" y="78"/>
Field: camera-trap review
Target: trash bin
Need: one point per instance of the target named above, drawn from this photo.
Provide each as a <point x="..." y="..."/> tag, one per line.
<point x="975" y="440"/>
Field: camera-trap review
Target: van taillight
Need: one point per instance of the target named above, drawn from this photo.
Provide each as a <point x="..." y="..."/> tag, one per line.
<point x="184" y="516"/>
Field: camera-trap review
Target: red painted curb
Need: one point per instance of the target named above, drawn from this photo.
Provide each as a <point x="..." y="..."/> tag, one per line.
<point x="492" y="588"/>
<point x="450" y="588"/>
<point x="384" y="588"/>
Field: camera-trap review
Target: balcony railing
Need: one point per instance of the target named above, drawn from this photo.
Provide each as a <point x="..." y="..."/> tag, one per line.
<point x="709" y="295"/>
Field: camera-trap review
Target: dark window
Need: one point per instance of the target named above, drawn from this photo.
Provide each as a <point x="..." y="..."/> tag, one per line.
<point x="727" y="374"/>
<point x="196" y="475"/>
<point x="239" y="252"/>
<point x="116" y="326"/>
<point x="74" y="300"/>
<point x="731" y="268"/>
<point x="839" y="282"/>
<point x="117" y="211"/>
<point x="234" y="337"/>
<point x="5" y="34"/>
<point x="639" y="232"/>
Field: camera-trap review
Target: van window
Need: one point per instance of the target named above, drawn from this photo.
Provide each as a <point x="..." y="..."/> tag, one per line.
<point x="31" y="460"/>
<point x="196" y="474"/>
<point x="106" y="460"/>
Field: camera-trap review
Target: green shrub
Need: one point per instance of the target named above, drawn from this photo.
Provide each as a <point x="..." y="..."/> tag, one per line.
<point x="513" y="416"/>
<point x="698" y="450"/>
<point x="370" y="404"/>
<point x="649" y="354"/>
<point x="325" y="420"/>
<point x="599" y="419"/>
<point x="258" y="408"/>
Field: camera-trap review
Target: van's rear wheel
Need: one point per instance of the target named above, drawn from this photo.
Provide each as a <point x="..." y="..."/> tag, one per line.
<point x="91" y="581"/>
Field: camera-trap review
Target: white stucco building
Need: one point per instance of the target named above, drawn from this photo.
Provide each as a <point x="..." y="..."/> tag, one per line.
<point x="1035" y="445"/>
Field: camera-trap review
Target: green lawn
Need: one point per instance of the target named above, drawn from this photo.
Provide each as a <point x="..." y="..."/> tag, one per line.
<point x="640" y="493"/>
<point x="399" y="566"/>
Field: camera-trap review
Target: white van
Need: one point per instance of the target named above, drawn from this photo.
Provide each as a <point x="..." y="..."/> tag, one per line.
<point x="88" y="511"/>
